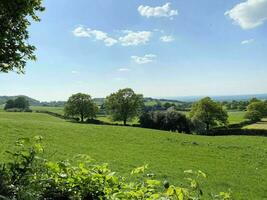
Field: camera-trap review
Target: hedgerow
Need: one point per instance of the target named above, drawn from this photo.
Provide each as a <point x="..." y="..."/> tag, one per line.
<point x="28" y="176"/>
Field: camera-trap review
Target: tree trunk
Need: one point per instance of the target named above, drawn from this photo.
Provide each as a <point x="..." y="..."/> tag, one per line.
<point x="208" y="127"/>
<point x="82" y="117"/>
<point x="125" y="122"/>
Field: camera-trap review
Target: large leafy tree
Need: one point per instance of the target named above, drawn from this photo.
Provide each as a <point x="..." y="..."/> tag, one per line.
<point x="256" y="110"/>
<point x="15" y="18"/>
<point x="82" y="106"/>
<point x="124" y="105"/>
<point x="209" y="112"/>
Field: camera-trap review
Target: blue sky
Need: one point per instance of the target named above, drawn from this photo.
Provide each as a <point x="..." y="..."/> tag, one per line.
<point x="159" y="48"/>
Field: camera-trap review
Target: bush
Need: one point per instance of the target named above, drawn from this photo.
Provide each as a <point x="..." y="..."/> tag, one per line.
<point x="170" y="120"/>
<point x="30" y="177"/>
<point x="198" y="126"/>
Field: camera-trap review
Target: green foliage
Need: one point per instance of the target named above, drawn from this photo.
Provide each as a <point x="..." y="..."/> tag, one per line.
<point x="256" y="110"/>
<point x="209" y="112"/>
<point x="259" y="106"/>
<point x="169" y="120"/>
<point x="20" y="103"/>
<point x="82" y="106"/>
<point x="29" y="177"/>
<point x="124" y="105"/>
<point x="15" y="18"/>
<point x="254" y="115"/>
<point x="9" y="104"/>
<point x="235" y="105"/>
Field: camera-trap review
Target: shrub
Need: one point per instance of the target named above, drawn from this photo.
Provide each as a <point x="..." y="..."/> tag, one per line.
<point x="30" y="177"/>
<point x="170" y="120"/>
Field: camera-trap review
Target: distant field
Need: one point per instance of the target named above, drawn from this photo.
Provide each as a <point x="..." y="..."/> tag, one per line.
<point x="258" y="125"/>
<point x="236" y="117"/>
<point x="236" y="162"/>
<point x="59" y="110"/>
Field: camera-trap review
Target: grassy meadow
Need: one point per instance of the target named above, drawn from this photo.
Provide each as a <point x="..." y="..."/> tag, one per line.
<point x="231" y="162"/>
<point x="258" y="125"/>
<point x="236" y="117"/>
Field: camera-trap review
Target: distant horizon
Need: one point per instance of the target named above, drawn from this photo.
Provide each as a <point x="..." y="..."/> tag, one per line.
<point x="181" y="98"/>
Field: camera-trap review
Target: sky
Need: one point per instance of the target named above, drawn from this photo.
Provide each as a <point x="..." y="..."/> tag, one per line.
<point x="159" y="48"/>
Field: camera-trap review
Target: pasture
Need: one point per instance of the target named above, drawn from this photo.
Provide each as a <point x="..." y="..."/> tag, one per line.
<point x="259" y="125"/>
<point x="231" y="162"/>
<point x="236" y="117"/>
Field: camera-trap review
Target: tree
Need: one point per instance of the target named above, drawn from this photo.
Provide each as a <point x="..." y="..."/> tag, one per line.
<point x="124" y="105"/>
<point x="21" y="103"/>
<point x="209" y="112"/>
<point x="253" y="116"/>
<point x="15" y="19"/>
<point x="259" y="106"/>
<point x="82" y="106"/>
<point x="9" y="104"/>
<point x="169" y="120"/>
<point x="256" y="110"/>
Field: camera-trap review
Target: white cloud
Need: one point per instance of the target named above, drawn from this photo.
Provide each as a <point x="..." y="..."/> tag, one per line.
<point x="96" y="34"/>
<point x="159" y="11"/>
<point x="123" y="69"/>
<point x="130" y="38"/>
<point x="80" y="32"/>
<point x="247" y="41"/>
<point x="148" y="58"/>
<point x="249" y="14"/>
<point x="167" y="38"/>
<point x="135" y="38"/>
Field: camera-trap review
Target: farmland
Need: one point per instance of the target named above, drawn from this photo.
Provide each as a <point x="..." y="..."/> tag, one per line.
<point x="236" y="160"/>
<point x="259" y="125"/>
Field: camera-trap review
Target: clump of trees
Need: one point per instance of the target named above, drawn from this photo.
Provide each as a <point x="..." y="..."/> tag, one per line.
<point x="206" y="114"/>
<point x="124" y="105"/>
<point x="80" y="106"/>
<point x="169" y="120"/>
<point x="235" y="105"/>
<point x="18" y="104"/>
<point x="256" y="110"/>
<point x="15" y="17"/>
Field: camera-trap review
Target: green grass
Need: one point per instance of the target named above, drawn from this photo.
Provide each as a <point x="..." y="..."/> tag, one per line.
<point x="236" y="117"/>
<point x="236" y="162"/>
<point x="258" y="125"/>
<point x="59" y="110"/>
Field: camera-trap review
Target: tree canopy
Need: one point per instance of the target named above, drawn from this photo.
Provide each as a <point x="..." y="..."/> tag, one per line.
<point x="124" y="105"/>
<point x="209" y="112"/>
<point x="20" y="103"/>
<point x="15" y="18"/>
<point x="82" y="106"/>
<point x="256" y="110"/>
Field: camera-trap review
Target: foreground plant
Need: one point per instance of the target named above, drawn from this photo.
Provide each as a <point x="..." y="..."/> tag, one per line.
<point x="28" y="177"/>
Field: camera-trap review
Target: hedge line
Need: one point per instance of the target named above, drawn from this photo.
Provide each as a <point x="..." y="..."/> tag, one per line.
<point x="238" y="131"/>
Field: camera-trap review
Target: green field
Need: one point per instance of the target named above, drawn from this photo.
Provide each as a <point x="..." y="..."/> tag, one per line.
<point x="59" y="110"/>
<point x="258" y="125"/>
<point x="236" y="162"/>
<point x="236" y="117"/>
